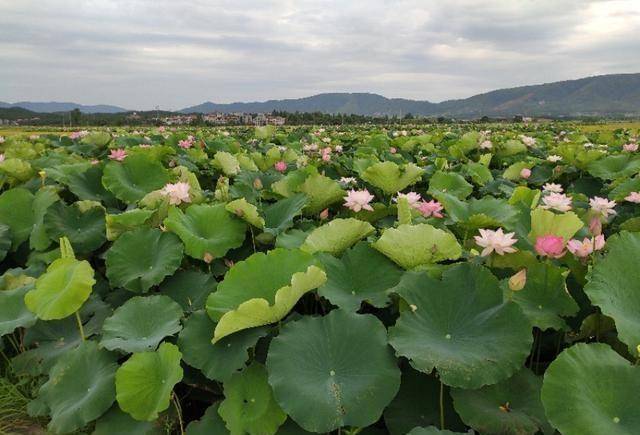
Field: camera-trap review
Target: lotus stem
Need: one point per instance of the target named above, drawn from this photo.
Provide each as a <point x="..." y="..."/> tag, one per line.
<point x="441" y="405"/>
<point x="176" y="404"/>
<point x="80" y="328"/>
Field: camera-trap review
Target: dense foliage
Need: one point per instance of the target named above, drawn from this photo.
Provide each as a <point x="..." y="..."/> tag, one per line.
<point x="311" y="280"/>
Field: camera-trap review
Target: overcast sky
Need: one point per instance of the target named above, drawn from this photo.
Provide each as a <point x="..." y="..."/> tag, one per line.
<point x="142" y="53"/>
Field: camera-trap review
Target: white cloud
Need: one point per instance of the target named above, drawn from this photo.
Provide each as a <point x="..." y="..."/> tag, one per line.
<point x="143" y="53"/>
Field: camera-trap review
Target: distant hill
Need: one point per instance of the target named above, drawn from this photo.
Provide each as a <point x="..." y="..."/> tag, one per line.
<point x="606" y="95"/>
<point x="52" y="107"/>
<point x="357" y="103"/>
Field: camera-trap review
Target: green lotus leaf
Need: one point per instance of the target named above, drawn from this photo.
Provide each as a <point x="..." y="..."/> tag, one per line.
<point x="259" y="311"/>
<point x="17" y="169"/>
<point x="411" y="246"/>
<point x="13" y="311"/>
<point x="62" y="289"/>
<point x="97" y="138"/>
<point x="80" y="387"/>
<point x="278" y="216"/>
<point x="206" y="229"/>
<point x="418" y="404"/>
<point x="87" y="185"/>
<point x="288" y="185"/>
<point x="129" y="220"/>
<point x="16" y="212"/>
<point x="227" y="163"/>
<point x="512" y="406"/>
<point x="362" y="274"/>
<point x="209" y="424"/>
<point x="145" y="381"/>
<point x="479" y="173"/>
<point x="449" y="182"/>
<point x="321" y="192"/>
<point x="44" y="198"/>
<point x="84" y="228"/>
<point x="245" y="211"/>
<point x="590" y="389"/>
<point x="614" y="287"/>
<point x="460" y="326"/>
<point x="612" y="167"/>
<point x="544" y="298"/>
<point x="338" y="366"/>
<point x="336" y="236"/>
<point x="142" y="258"/>
<point x="5" y="240"/>
<point x="259" y="276"/>
<point x="141" y="323"/>
<point x="189" y="288"/>
<point x="220" y="360"/>
<point x="486" y="212"/>
<point x="249" y="406"/>
<point x="49" y="340"/>
<point x="133" y="178"/>
<point x="391" y="177"/>
<point x="432" y="430"/>
<point x="117" y="422"/>
<point x="544" y="222"/>
<point x="510" y="148"/>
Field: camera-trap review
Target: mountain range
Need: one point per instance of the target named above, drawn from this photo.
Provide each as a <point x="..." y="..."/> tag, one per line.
<point x="54" y="106"/>
<point x="613" y="94"/>
<point x="605" y="95"/>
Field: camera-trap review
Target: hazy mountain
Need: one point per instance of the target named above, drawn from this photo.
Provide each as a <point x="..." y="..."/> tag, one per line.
<point x="54" y="106"/>
<point x="615" y="94"/>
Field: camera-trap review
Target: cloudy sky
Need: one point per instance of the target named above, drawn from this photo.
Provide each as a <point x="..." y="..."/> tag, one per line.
<point x="142" y="53"/>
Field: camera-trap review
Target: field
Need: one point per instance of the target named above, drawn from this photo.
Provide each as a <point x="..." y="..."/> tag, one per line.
<point x="418" y="279"/>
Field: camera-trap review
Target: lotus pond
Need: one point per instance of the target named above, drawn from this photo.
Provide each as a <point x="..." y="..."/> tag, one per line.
<point x="344" y="280"/>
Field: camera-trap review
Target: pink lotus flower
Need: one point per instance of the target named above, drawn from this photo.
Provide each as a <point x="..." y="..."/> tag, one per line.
<point x="585" y="247"/>
<point x="177" y="192"/>
<point x="94" y="162"/>
<point x="595" y="226"/>
<point x="413" y="198"/>
<point x="430" y="208"/>
<point x="326" y="154"/>
<point x="118" y="154"/>
<point x="525" y="173"/>
<point x="345" y="181"/>
<point x="553" y="158"/>
<point x="357" y="200"/>
<point x="185" y="144"/>
<point x="393" y="150"/>
<point x="338" y="148"/>
<point x="528" y="140"/>
<point x="280" y="166"/>
<point x="2" y="139"/>
<point x="78" y="134"/>
<point x="630" y="147"/>
<point x="552" y="188"/>
<point x="550" y="246"/>
<point x="602" y="206"/>
<point x="557" y="201"/>
<point x="144" y="145"/>
<point x="1" y="157"/>
<point x="161" y="129"/>
<point x="496" y="241"/>
<point x="633" y="197"/>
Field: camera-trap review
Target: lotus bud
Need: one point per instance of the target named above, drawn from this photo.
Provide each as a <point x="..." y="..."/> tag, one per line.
<point x="208" y="258"/>
<point x="518" y="281"/>
<point x="595" y="226"/>
<point x="257" y="184"/>
<point x="324" y="214"/>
